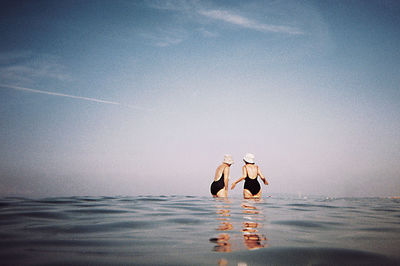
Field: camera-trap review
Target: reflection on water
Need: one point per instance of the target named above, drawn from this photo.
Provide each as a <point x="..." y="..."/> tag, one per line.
<point x="222" y="241"/>
<point x="250" y="228"/>
<point x="247" y="233"/>
<point x="128" y="231"/>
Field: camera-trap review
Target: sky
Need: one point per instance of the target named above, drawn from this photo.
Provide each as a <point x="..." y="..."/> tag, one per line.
<point x="145" y="97"/>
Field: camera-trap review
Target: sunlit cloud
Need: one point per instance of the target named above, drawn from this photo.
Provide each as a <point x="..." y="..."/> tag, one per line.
<point x="241" y="21"/>
<point x="71" y="96"/>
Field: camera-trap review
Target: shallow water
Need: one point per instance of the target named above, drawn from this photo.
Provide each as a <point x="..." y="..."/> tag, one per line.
<point x="178" y="230"/>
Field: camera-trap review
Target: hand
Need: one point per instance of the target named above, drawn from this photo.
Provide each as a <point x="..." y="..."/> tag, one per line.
<point x="233" y="186"/>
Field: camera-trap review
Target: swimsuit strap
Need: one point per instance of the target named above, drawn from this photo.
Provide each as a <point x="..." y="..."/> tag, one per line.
<point x="247" y="171"/>
<point x="223" y="170"/>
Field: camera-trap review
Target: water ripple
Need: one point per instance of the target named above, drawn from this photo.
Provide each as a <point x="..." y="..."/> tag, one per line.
<point x="179" y="230"/>
<point x="304" y="223"/>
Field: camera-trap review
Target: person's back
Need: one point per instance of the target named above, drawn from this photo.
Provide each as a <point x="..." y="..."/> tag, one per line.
<point x="252" y="171"/>
<point x="251" y="188"/>
<point x="219" y="172"/>
<point x="219" y="188"/>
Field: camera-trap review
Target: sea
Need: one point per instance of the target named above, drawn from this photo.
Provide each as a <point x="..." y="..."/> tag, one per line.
<point x="193" y="230"/>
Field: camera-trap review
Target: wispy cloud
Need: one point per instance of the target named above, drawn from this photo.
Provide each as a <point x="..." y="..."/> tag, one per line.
<point x="174" y="5"/>
<point x="241" y="21"/>
<point x="167" y="41"/>
<point x="198" y="11"/>
<point x="207" y="33"/>
<point x="12" y="56"/>
<point x="182" y="13"/>
<point x="165" y="37"/>
<point x="71" y="96"/>
<point x="24" y="67"/>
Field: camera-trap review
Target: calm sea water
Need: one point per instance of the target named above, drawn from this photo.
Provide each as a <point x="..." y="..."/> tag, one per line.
<point x="177" y="230"/>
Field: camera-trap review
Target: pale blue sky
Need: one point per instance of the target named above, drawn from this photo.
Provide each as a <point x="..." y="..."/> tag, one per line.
<point x="145" y="97"/>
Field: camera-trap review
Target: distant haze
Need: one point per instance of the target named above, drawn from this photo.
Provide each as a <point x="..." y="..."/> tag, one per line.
<point x="146" y="97"/>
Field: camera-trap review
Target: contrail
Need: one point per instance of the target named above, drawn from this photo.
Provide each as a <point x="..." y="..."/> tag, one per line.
<point x="70" y="96"/>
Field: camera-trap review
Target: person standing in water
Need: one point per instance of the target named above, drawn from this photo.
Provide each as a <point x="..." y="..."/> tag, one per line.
<point x="251" y="171"/>
<point x="219" y="188"/>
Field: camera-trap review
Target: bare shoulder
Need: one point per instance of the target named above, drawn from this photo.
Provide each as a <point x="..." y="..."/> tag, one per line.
<point x="221" y="166"/>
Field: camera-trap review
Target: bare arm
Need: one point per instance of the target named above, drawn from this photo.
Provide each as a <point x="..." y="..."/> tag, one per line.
<point x="240" y="179"/>
<point x="262" y="176"/>
<point x="226" y="177"/>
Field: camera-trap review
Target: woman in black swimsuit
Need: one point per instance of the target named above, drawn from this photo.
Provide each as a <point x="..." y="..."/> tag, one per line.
<point x="251" y="171"/>
<point x="219" y="188"/>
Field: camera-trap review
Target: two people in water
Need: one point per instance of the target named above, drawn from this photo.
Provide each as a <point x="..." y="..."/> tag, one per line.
<point x="251" y="189"/>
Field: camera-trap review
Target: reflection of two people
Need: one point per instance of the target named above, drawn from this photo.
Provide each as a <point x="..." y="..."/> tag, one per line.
<point x="252" y="239"/>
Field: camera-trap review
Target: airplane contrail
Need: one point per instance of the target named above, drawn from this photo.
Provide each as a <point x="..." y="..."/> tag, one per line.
<point x="70" y="96"/>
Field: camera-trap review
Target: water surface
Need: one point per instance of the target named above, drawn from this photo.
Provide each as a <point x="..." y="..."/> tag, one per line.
<point x="179" y="230"/>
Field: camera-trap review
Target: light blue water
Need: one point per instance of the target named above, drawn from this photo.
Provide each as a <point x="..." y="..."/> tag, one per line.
<point x="177" y="230"/>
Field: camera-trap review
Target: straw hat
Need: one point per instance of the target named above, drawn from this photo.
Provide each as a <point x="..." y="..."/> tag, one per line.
<point x="228" y="159"/>
<point x="249" y="158"/>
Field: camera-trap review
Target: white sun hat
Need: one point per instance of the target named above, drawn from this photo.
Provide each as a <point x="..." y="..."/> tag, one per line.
<point x="249" y="158"/>
<point x="228" y="159"/>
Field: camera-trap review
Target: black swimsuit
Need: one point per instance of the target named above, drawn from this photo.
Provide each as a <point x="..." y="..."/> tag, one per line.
<point x="217" y="185"/>
<point x="251" y="184"/>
